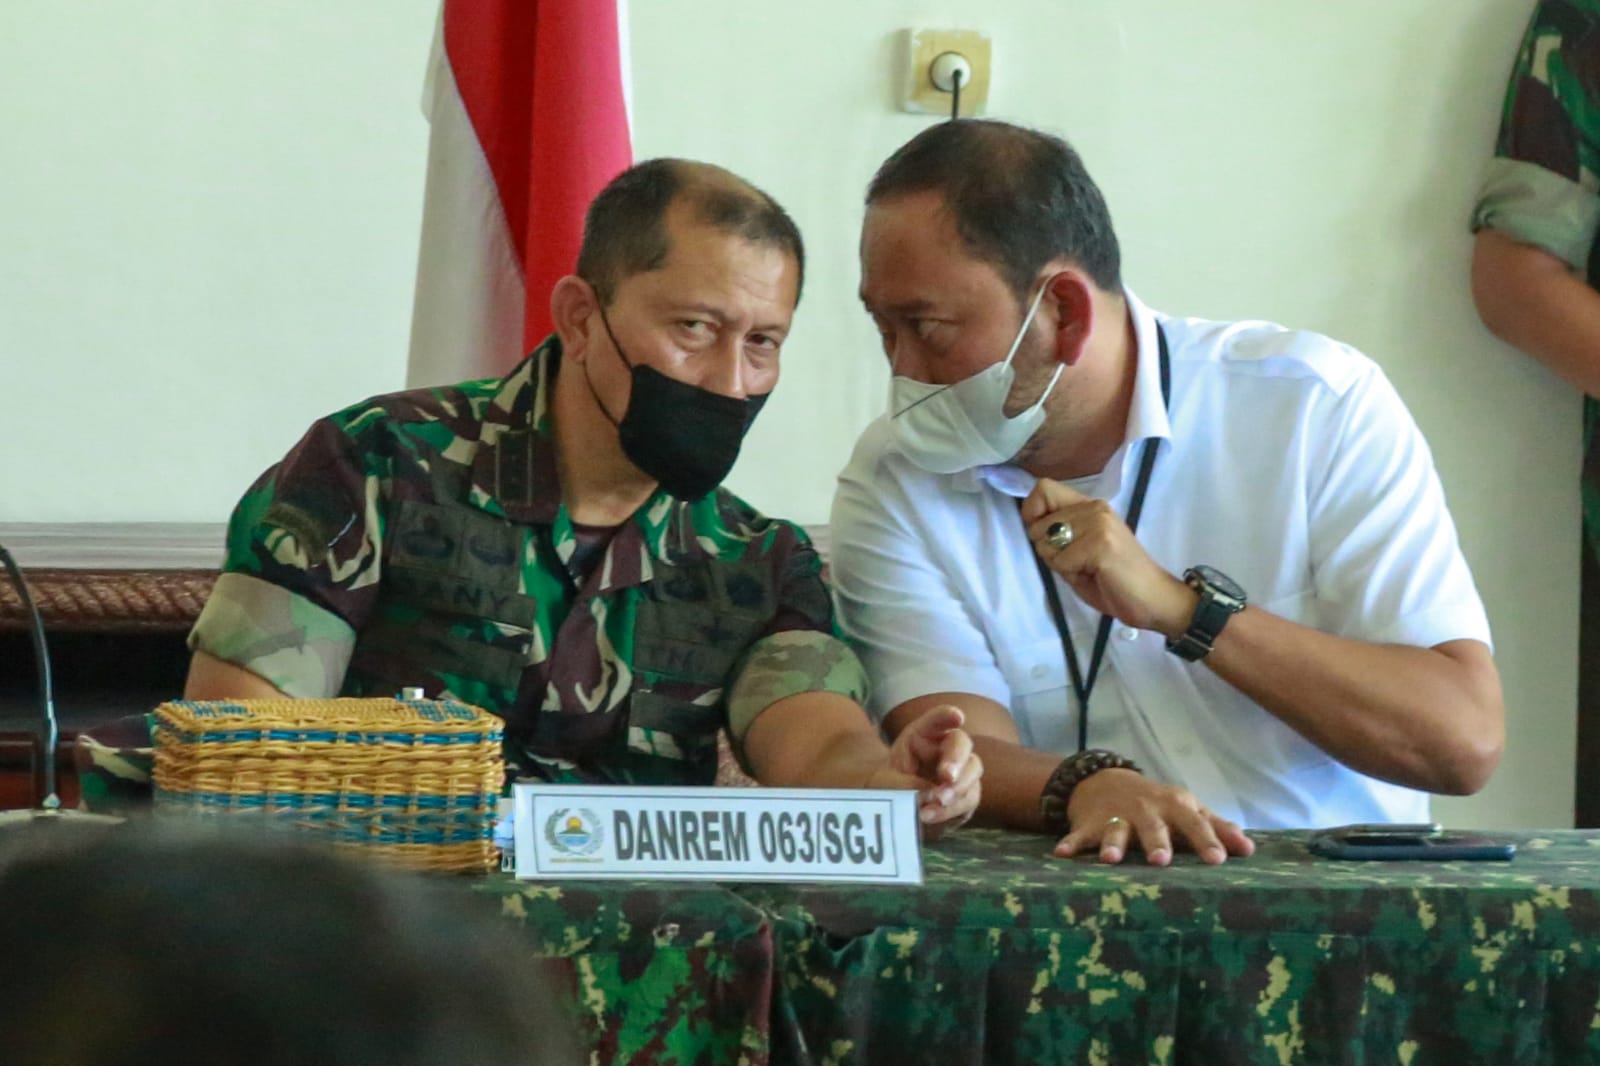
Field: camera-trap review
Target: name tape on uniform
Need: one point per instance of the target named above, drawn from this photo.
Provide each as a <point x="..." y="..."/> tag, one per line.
<point x="716" y="834"/>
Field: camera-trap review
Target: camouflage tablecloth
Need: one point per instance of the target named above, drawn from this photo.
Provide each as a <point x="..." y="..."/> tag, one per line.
<point x="1007" y="955"/>
<point x="657" y="973"/>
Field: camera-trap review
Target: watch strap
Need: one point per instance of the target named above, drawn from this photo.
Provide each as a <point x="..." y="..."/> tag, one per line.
<point x="1211" y="613"/>
<point x="1190" y="646"/>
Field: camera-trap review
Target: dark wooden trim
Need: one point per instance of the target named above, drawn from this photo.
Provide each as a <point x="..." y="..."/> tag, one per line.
<point x="110" y="601"/>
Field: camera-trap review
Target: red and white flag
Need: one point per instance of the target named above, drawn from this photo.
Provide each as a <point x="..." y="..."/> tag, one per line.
<point x="527" y="100"/>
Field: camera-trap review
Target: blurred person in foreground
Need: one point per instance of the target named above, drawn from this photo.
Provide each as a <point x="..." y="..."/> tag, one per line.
<point x="140" y="945"/>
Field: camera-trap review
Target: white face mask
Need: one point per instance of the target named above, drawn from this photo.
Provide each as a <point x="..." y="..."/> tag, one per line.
<point x="948" y="428"/>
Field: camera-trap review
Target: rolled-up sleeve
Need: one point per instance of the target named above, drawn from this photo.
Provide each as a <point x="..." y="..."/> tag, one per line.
<point x="1541" y="186"/>
<point x="278" y="635"/>
<point x="302" y="566"/>
<point x="801" y="650"/>
<point x="789" y="664"/>
<point x="1536" y="206"/>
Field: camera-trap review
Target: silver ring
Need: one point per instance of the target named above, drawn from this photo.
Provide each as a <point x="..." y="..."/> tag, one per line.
<point x="1059" y="534"/>
<point x="1114" y="820"/>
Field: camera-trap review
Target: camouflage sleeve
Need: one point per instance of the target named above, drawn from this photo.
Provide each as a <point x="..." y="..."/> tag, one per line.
<point x="314" y="523"/>
<point x="1542" y="186"/>
<point x="788" y="664"/>
<point x="803" y="600"/>
<point x="276" y="634"/>
<point x="1535" y="206"/>
<point x="801" y="650"/>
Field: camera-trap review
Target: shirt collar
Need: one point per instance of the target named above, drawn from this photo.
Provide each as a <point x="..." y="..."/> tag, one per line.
<point x="514" y="472"/>
<point x="1147" y="415"/>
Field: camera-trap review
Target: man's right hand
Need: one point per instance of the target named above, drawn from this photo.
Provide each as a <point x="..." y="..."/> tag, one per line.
<point x="934" y="756"/>
<point x="1114" y="809"/>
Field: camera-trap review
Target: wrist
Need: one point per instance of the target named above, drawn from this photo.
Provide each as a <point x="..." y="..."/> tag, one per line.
<point x="1064" y="781"/>
<point x="1174" y="618"/>
<point x="1217" y="597"/>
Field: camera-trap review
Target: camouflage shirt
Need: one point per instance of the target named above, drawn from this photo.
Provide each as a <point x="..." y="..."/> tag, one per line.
<point x="420" y="539"/>
<point x="1543" y="186"/>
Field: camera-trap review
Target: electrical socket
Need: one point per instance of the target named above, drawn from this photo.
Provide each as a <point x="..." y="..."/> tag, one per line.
<point x="920" y="47"/>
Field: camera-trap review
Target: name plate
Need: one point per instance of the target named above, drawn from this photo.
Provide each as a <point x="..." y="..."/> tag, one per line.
<point x="591" y="832"/>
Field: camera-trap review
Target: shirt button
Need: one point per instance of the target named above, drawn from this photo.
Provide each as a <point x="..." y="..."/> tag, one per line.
<point x="1128" y="633"/>
<point x="1038" y="672"/>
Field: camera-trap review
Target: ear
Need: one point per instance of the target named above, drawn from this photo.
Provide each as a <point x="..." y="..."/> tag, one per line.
<point x="572" y="310"/>
<point x="1073" y="299"/>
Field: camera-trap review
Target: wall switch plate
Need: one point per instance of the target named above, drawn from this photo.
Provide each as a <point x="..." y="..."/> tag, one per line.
<point x="919" y="48"/>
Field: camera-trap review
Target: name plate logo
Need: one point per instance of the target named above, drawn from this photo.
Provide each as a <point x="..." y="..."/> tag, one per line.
<point x="716" y="834"/>
<point x="574" y="833"/>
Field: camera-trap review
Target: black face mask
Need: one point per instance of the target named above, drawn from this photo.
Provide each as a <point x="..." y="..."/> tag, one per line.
<point x="685" y="437"/>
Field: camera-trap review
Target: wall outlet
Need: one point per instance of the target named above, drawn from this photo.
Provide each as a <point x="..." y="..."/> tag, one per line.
<point x="919" y="48"/>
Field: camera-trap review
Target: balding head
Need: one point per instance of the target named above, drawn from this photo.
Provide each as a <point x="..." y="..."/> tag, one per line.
<point x="625" y="231"/>
<point x="1019" y="198"/>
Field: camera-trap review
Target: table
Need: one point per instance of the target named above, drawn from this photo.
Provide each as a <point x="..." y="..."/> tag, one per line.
<point x="660" y="973"/>
<point x="1007" y="955"/>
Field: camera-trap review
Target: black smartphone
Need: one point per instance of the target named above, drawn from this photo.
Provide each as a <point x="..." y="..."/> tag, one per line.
<point x="1409" y="841"/>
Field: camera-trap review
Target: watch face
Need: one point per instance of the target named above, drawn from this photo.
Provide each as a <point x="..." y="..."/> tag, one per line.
<point x="1221" y="582"/>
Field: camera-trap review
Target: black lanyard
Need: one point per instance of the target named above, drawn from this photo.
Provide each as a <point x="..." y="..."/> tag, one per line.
<point x="1081" y="686"/>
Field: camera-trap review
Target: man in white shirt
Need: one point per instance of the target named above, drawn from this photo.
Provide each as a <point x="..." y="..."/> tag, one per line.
<point x="1291" y="638"/>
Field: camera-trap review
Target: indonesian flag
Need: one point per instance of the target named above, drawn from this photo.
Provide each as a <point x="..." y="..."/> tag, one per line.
<point x="529" y="116"/>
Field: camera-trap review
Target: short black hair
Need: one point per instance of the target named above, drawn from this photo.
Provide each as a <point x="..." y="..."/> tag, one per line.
<point x="625" y="231"/>
<point x="144" y="944"/>
<point x="1019" y="198"/>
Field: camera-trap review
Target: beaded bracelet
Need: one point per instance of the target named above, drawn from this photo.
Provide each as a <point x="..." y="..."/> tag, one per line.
<point x="1072" y="772"/>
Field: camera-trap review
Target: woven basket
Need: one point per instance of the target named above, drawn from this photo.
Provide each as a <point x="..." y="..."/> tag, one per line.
<point x="413" y="782"/>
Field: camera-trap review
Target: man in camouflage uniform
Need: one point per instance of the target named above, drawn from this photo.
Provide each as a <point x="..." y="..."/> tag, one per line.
<point x="1535" y="272"/>
<point x="554" y="546"/>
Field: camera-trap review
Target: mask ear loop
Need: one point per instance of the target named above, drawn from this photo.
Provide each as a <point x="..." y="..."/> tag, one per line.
<point x="1016" y="342"/>
<point x="606" y="322"/>
<point x="1027" y="320"/>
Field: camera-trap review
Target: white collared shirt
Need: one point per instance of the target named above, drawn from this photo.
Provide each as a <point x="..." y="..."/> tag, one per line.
<point x="1286" y="460"/>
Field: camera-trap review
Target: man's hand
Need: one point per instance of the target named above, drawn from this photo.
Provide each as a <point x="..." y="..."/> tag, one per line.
<point x="1115" y="808"/>
<point x="1104" y="562"/>
<point x="934" y="756"/>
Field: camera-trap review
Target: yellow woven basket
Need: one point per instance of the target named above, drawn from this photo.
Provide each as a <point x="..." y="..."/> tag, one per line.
<point x="413" y="782"/>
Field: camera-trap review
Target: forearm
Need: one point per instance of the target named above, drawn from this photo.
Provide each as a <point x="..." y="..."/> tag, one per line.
<point x="1426" y="718"/>
<point x="824" y="740"/>
<point x="814" y="740"/>
<point x="211" y="678"/>
<point x="1531" y="299"/>
<point x="846" y="760"/>
<point x="1014" y="779"/>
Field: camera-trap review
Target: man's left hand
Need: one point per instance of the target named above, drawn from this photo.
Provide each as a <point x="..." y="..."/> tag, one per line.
<point x="934" y="756"/>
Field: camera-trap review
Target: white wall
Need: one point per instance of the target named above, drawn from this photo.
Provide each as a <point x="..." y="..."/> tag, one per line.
<point x="209" y="212"/>
<point x="208" y="236"/>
